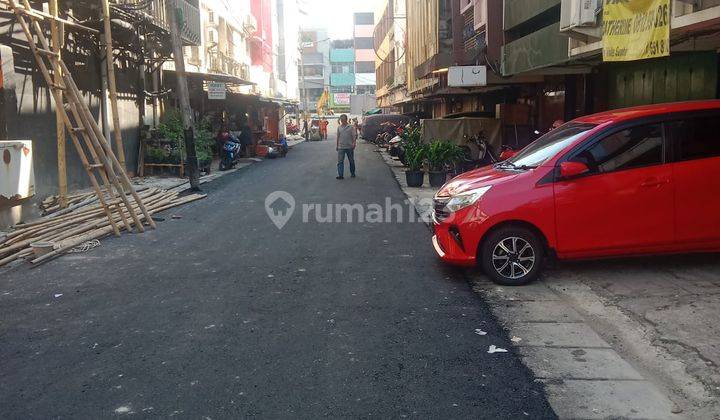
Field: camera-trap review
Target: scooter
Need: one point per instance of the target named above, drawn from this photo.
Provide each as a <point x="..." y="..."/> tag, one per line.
<point x="478" y="153"/>
<point x="231" y="152"/>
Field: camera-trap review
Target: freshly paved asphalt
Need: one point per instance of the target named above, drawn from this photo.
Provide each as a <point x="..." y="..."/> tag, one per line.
<point x="221" y="315"/>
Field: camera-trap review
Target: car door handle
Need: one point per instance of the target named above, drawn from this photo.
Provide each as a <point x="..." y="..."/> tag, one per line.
<point x="653" y="182"/>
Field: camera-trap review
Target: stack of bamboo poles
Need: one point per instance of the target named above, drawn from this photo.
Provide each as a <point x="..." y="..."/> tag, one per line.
<point x="54" y="203"/>
<point x="85" y="221"/>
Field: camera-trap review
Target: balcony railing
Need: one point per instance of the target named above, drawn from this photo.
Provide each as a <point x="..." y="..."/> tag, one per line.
<point x="189" y="15"/>
<point x="221" y="63"/>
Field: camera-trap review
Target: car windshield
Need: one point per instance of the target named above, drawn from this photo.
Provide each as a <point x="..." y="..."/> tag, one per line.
<point x="547" y="146"/>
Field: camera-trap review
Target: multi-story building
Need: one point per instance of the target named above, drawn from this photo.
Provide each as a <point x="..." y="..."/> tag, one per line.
<point x="288" y="56"/>
<point x="224" y="41"/>
<point x="363" y="41"/>
<point x="342" y="74"/>
<point x="390" y="71"/>
<point x="315" y="66"/>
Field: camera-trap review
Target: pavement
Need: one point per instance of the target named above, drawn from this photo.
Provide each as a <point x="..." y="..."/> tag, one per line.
<point x="220" y="314"/>
<point x="635" y="338"/>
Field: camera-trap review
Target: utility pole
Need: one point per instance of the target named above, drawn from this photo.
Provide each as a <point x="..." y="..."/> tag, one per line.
<point x="183" y="95"/>
<point x="303" y="93"/>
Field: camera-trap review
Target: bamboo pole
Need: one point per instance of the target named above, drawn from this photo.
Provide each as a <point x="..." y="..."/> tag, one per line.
<point x="112" y="83"/>
<point x="55" y="31"/>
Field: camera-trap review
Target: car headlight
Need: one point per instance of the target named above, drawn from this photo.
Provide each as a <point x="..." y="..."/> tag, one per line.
<point x="468" y="198"/>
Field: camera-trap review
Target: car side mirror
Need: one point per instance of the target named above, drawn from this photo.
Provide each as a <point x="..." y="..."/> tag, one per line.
<point x="572" y="169"/>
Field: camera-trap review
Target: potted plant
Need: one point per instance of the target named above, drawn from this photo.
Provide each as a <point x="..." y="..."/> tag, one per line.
<point x="414" y="158"/>
<point x="439" y="155"/>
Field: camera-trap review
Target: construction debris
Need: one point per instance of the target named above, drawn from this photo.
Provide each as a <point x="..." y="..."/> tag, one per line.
<point x="84" y="224"/>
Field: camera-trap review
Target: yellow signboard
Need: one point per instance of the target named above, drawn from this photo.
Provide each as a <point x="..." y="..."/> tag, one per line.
<point x="635" y="29"/>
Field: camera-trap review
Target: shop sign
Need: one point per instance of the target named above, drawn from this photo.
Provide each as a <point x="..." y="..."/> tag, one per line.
<point x="341" y="98"/>
<point x="635" y="29"/>
<point x="217" y="91"/>
<point x="467" y="76"/>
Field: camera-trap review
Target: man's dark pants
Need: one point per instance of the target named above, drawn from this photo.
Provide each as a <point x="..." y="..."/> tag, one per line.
<point x="350" y="153"/>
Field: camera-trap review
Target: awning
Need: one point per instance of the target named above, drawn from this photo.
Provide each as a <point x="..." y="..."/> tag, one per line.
<point x="214" y="77"/>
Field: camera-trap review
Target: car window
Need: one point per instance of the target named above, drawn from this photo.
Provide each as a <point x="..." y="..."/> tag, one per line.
<point x="626" y="149"/>
<point x="696" y="138"/>
<point x="550" y="144"/>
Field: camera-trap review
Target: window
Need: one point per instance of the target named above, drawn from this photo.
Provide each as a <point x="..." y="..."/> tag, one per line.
<point x="364" y="44"/>
<point x="696" y="138"/>
<point x="345" y="68"/>
<point x="631" y="148"/>
<point x="549" y="145"/>
<point x="365" y="67"/>
<point x="364" y="18"/>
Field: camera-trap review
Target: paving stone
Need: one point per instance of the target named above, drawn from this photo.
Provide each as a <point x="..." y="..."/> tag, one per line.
<point x="535" y="311"/>
<point x="579" y="363"/>
<point x="557" y="335"/>
<point x="531" y="292"/>
<point x="580" y="399"/>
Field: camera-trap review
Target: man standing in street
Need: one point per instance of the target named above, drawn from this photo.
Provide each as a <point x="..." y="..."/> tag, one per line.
<point x="346" y="139"/>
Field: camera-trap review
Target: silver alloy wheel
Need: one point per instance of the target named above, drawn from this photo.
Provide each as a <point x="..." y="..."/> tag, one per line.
<point x="513" y="258"/>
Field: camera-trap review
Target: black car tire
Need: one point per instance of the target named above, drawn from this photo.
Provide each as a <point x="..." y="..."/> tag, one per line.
<point x="519" y="270"/>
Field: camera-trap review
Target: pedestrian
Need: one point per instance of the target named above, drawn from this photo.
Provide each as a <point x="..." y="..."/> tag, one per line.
<point x="245" y="137"/>
<point x="345" y="146"/>
<point x="324" y="128"/>
<point x="305" y="130"/>
<point x="356" y="125"/>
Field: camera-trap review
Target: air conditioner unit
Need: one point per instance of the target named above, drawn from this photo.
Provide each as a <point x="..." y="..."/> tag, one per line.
<point x="579" y="18"/>
<point x="17" y="177"/>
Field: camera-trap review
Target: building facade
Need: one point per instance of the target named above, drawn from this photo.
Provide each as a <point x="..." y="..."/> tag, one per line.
<point x="543" y="59"/>
<point x="363" y="41"/>
<point x="315" y="66"/>
<point x="342" y="76"/>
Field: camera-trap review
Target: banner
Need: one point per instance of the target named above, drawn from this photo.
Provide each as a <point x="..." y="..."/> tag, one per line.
<point x="635" y="29"/>
<point x="341" y="98"/>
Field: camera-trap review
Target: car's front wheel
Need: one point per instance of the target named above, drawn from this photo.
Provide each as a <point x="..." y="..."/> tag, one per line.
<point x="512" y="256"/>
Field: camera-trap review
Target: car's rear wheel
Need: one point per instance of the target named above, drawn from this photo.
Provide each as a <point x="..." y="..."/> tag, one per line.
<point x="512" y="256"/>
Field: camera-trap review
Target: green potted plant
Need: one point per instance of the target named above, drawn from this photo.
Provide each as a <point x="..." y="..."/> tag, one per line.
<point x="414" y="159"/>
<point x="439" y="155"/>
<point x="204" y="143"/>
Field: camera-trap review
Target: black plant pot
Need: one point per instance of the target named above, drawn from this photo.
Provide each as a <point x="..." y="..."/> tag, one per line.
<point x="415" y="178"/>
<point x="437" y="179"/>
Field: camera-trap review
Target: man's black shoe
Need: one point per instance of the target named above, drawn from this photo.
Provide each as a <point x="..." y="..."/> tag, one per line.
<point x="339" y="177"/>
<point x="352" y="176"/>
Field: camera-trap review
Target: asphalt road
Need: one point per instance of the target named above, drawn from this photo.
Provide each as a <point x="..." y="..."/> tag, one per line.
<point x="220" y="314"/>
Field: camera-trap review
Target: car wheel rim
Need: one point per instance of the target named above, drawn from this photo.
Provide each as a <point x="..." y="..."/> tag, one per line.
<point x="513" y="258"/>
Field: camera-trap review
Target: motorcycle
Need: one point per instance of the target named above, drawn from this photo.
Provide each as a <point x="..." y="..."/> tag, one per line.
<point x="231" y="153"/>
<point x="478" y="153"/>
<point x="292" y="129"/>
<point x="389" y="132"/>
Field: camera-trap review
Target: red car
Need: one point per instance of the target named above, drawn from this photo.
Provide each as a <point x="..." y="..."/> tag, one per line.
<point x="632" y="181"/>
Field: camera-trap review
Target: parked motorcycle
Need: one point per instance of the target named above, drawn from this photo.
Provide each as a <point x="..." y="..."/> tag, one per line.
<point x="231" y="154"/>
<point x="291" y="128"/>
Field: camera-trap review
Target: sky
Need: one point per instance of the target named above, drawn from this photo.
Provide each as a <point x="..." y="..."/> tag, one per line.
<point x="336" y="15"/>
